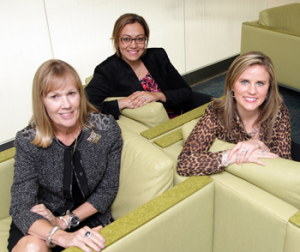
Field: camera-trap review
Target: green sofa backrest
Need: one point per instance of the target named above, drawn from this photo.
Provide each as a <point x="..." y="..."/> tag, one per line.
<point x="286" y="17"/>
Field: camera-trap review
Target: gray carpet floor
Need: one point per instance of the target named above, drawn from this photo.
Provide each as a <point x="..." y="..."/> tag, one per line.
<point x="215" y="87"/>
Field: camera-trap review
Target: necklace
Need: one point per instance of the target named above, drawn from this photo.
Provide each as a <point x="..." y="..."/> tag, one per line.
<point x="253" y="133"/>
<point x="139" y="70"/>
<point x="137" y="66"/>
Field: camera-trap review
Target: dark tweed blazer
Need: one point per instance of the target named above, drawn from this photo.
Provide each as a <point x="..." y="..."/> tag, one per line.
<point x="115" y="78"/>
<point x="38" y="175"/>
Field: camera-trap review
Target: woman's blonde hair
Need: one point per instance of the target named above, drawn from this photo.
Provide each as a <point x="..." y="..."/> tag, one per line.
<point x="225" y="109"/>
<point x="52" y="75"/>
<point x="123" y="20"/>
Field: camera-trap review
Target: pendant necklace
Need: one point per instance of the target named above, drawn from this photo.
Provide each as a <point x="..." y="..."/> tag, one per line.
<point x="137" y="66"/>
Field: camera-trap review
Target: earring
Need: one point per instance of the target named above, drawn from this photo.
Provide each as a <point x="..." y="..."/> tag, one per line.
<point x="233" y="93"/>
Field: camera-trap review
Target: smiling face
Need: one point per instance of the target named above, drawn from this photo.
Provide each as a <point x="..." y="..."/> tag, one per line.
<point x="250" y="89"/>
<point x="63" y="106"/>
<point x="132" y="52"/>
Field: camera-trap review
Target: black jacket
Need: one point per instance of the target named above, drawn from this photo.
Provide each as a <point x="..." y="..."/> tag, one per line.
<point x="38" y="175"/>
<point x="115" y="78"/>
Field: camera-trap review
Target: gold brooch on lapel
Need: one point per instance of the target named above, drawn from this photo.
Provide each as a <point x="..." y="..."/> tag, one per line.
<point x="94" y="138"/>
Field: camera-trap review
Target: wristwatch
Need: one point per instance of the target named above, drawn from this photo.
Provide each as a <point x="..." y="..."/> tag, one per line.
<point x="74" y="220"/>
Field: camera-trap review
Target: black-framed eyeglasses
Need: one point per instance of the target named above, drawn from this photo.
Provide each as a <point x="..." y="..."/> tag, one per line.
<point x="128" y="40"/>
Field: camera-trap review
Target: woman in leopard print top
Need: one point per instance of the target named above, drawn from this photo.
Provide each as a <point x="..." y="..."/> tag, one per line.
<point x="252" y="116"/>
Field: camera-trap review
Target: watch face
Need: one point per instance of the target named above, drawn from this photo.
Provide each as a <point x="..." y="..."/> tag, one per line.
<point x="74" y="221"/>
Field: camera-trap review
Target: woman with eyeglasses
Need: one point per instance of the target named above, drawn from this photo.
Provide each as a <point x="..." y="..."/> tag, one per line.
<point x="139" y="74"/>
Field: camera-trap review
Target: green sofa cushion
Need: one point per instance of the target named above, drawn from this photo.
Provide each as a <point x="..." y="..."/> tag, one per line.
<point x="6" y="179"/>
<point x="146" y="172"/>
<point x="152" y="114"/>
<point x="4" y="232"/>
<point x="286" y="17"/>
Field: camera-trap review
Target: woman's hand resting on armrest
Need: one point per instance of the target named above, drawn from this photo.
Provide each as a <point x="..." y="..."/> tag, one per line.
<point x="141" y="98"/>
<point x="253" y="157"/>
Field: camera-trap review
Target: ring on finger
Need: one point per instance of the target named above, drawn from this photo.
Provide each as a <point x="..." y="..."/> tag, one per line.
<point x="244" y="151"/>
<point x="145" y="97"/>
<point x="88" y="234"/>
<point x="50" y="215"/>
<point x="262" y="152"/>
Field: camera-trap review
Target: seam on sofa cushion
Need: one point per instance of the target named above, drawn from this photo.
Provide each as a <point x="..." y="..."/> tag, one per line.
<point x="246" y="196"/>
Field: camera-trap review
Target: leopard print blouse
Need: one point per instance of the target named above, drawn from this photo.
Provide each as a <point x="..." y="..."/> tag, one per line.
<point x="195" y="158"/>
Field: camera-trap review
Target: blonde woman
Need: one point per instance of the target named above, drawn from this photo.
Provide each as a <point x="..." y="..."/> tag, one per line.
<point x="66" y="167"/>
<point x="252" y="116"/>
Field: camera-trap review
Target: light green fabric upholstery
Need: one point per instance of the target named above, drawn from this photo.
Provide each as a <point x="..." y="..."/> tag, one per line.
<point x="281" y="43"/>
<point x="132" y="125"/>
<point x="88" y="79"/>
<point x="187" y="129"/>
<point x="150" y="115"/>
<point x="235" y="201"/>
<point x="247" y="218"/>
<point x="7" y="154"/>
<point x="292" y="241"/>
<point x="187" y="226"/>
<point x="4" y="231"/>
<point x="169" y="139"/>
<point x="244" y="218"/>
<point x="286" y="17"/>
<point x="6" y="179"/>
<point x="146" y="172"/>
<point x="168" y="215"/>
<point x="174" y="123"/>
<point x="280" y="177"/>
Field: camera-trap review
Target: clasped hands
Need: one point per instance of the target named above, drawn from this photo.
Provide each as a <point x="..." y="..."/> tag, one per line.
<point x="141" y="98"/>
<point x="84" y="238"/>
<point x="249" y="152"/>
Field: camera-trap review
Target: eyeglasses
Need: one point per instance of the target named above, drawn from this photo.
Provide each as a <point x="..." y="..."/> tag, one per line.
<point x="128" y="40"/>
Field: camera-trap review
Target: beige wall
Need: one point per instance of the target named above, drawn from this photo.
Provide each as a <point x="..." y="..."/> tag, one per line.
<point x="195" y="33"/>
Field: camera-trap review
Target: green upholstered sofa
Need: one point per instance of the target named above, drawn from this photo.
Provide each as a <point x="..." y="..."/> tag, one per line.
<point x="277" y="34"/>
<point x="245" y="208"/>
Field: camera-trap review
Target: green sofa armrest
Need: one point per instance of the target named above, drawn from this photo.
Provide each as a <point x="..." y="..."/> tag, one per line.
<point x="161" y="213"/>
<point x="174" y="123"/>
